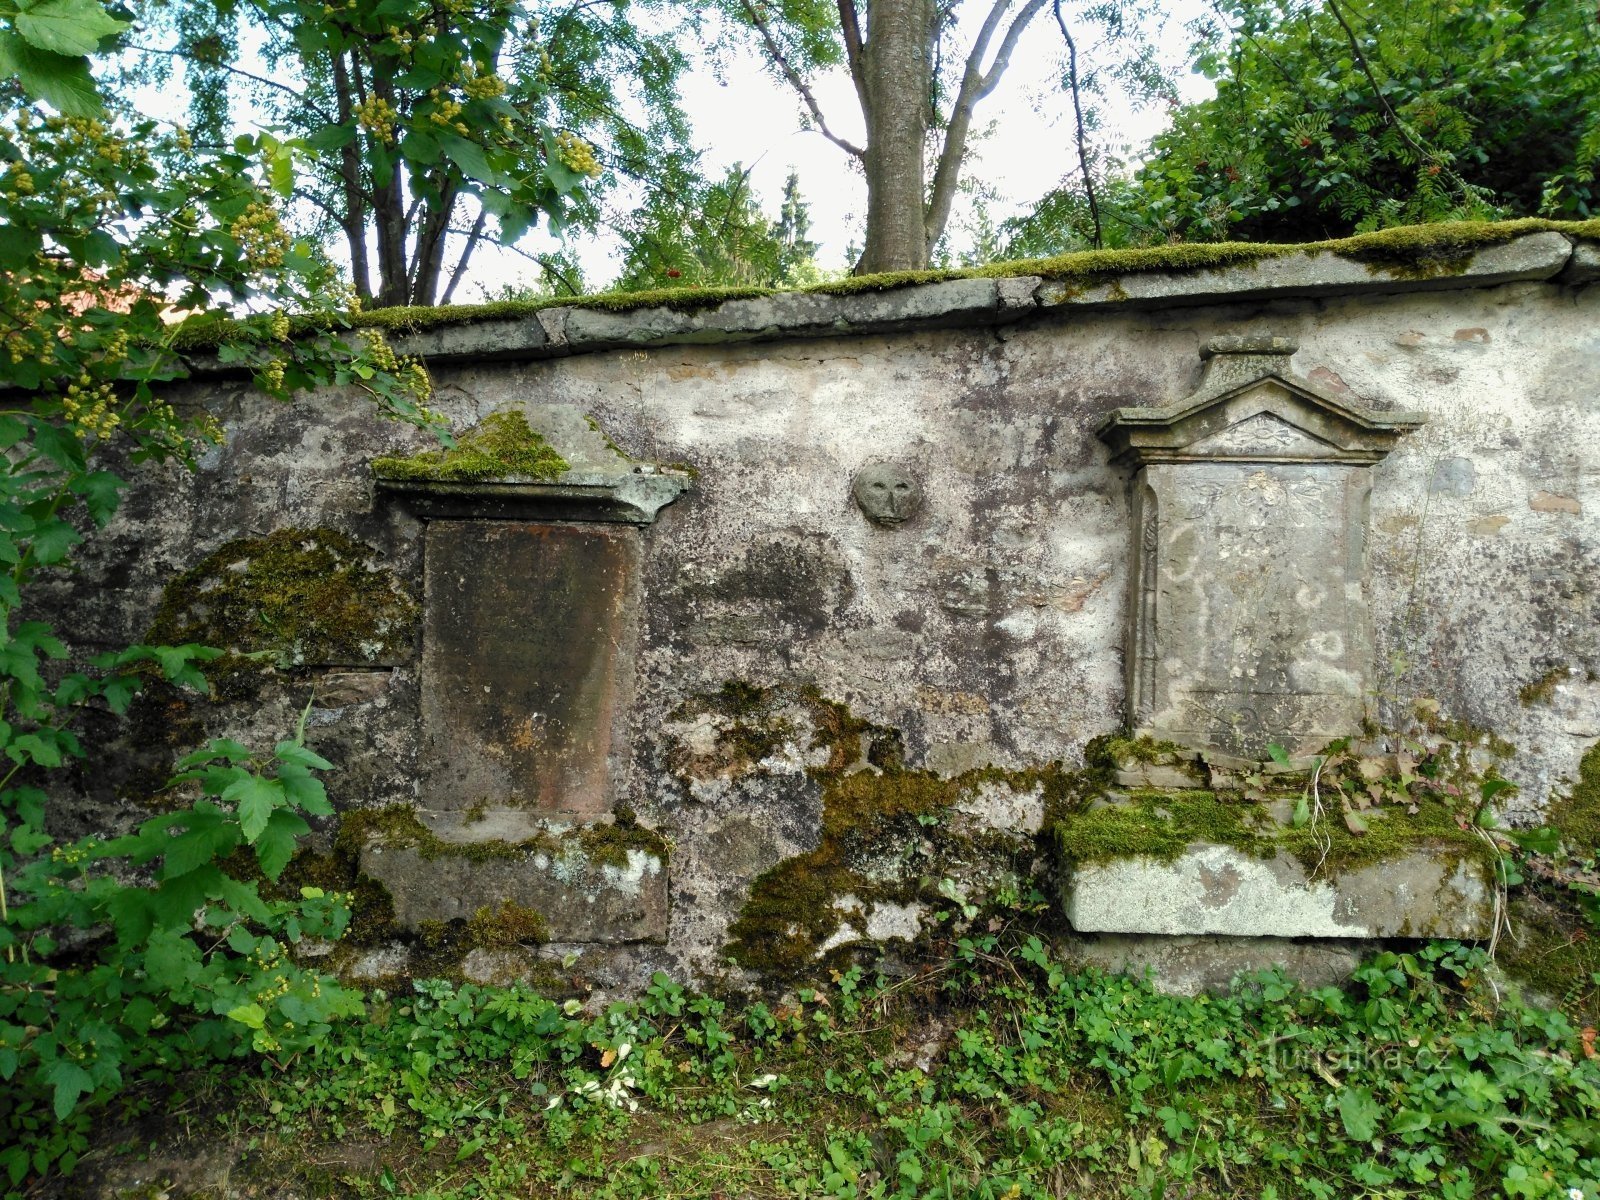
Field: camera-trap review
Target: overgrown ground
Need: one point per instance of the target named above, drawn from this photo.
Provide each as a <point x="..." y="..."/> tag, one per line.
<point x="1000" y="1073"/>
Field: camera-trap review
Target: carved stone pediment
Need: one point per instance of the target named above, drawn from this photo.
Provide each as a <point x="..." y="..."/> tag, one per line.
<point x="1250" y="407"/>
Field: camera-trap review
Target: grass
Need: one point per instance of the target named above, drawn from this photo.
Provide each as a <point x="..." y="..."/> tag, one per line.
<point x="1000" y="1072"/>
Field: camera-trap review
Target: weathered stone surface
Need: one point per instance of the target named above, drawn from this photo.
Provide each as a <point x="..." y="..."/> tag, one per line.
<point x="342" y="689"/>
<point x="1250" y="621"/>
<point x="581" y="898"/>
<point x="1585" y="264"/>
<point x="526" y="654"/>
<point x="1188" y="966"/>
<point x="1537" y="256"/>
<point x="514" y="337"/>
<point x="1214" y="889"/>
<point x="951" y="301"/>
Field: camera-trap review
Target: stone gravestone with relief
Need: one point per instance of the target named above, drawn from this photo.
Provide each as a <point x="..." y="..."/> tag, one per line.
<point x="1249" y="650"/>
<point x="531" y="603"/>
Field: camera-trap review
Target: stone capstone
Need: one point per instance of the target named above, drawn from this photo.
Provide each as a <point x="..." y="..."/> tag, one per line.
<point x="1432" y="892"/>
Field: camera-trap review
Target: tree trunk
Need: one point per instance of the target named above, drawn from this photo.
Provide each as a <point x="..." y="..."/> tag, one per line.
<point x="897" y="63"/>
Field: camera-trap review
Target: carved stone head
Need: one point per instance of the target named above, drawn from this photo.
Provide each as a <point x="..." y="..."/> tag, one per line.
<point x="887" y="493"/>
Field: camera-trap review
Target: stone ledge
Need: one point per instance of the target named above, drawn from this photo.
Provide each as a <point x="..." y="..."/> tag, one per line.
<point x="980" y="301"/>
<point x="1536" y="256"/>
<point x="1218" y="889"/>
<point x="581" y="899"/>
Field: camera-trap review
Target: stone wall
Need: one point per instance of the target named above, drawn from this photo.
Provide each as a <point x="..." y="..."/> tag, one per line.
<point x="799" y="703"/>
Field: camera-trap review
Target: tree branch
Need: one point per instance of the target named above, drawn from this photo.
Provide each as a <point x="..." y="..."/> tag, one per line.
<point x="1361" y="61"/>
<point x="298" y="94"/>
<point x="799" y="84"/>
<point x="850" y="27"/>
<point x="976" y="83"/>
<point x="1077" y="118"/>
<point x="461" y="263"/>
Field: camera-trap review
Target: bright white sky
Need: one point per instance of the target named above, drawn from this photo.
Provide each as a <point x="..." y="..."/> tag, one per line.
<point x="755" y="119"/>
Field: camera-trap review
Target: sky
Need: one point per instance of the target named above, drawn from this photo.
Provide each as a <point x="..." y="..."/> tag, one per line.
<point x="753" y="119"/>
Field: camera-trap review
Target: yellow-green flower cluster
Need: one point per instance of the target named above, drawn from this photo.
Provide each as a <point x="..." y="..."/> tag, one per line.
<point x="577" y="154"/>
<point x="377" y="116"/>
<point x="484" y="87"/>
<point x="261" y="236"/>
<point x="88" y="407"/>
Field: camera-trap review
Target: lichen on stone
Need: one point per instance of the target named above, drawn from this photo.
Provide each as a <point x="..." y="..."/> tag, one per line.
<point x="502" y="446"/>
<point x="297" y="597"/>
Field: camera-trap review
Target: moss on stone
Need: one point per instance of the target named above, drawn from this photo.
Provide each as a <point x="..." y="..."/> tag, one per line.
<point x="398" y="826"/>
<point x="502" y="446"/>
<point x="1577" y="814"/>
<point x="1162" y="825"/>
<point x="1542" y="689"/>
<point x="297" y="597"/>
<point x="512" y="924"/>
<point x="1554" y="951"/>
<point x="1411" y="251"/>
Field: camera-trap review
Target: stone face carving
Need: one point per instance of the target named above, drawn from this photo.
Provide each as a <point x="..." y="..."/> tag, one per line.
<point x="1249" y="621"/>
<point x="887" y="493"/>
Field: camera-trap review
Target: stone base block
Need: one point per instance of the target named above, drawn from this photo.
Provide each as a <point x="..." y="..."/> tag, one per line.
<point x="585" y="886"/>
<point x="1187" y="966"/>
<point x="1432" y="892"/>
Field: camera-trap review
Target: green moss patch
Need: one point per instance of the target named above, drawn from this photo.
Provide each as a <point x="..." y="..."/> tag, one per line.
<point x="503" y="446"/>
<point x="397" y="826"/>
<point x="886" y="835"/>
<point x="298" y="596"/>
<point x="1554" y="951"/>
<point x="1577" y="814"/>
<point x="1162" y="825"/>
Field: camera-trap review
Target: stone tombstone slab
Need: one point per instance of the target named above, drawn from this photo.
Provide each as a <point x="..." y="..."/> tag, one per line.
<point x="526" y="663"/>
<point x="1249" y="616"/>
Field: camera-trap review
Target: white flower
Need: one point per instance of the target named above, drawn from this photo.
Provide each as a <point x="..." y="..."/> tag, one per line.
<point x="624" y="1050"/>
<point x="1574" y="1194"/>
<point x="763" y="1081"/>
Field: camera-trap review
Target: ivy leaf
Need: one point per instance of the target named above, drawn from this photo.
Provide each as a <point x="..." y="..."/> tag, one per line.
<point x="70" y="27"/>
<point x="255" y="798"/>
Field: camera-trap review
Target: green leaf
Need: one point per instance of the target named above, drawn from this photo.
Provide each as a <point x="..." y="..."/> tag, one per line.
<point x="52" y="542"/>
<point x="61" y="82"/>
<point x="1359" y="1112"/>
<point x="69" y="1081"/>
<point x="1302" y="812"/>
<point x="294" y="752"/>
<point x="1278" y="754"/>
<point x="252" y="1016"/>
<point x="70" y="27"/>
<point x="255" y="798"/>
<point x="276" y="845"/>
<point x="101" y="492"/>
<point x="472" y="160"/>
